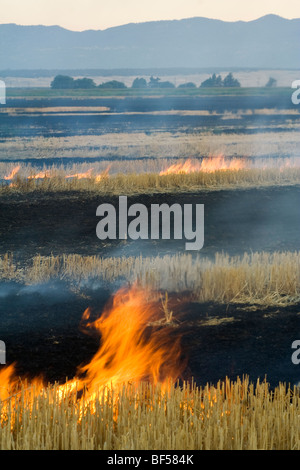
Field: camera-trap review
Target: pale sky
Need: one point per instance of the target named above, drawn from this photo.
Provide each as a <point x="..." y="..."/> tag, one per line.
<point x="80" y="15"/>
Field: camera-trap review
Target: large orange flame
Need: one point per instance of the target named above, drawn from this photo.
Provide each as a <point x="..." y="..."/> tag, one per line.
<point x="131" y="348"/>
<point x="134" y="347"/>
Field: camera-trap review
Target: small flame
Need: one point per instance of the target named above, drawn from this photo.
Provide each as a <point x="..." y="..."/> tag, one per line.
<point x="207" y="165"/>
<point x="104" y="174"/>
<point x="13" y="173"/>
<point x="41" y="175"/>
<point x="87" y="174"/>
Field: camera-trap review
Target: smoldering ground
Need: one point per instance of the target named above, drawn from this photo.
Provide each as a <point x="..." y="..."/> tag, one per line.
<point x="237" y="221"/>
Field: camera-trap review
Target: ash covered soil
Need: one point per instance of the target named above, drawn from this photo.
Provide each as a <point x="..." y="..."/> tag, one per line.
<point x="236" y="221"/>
<point x="41" y="324"/>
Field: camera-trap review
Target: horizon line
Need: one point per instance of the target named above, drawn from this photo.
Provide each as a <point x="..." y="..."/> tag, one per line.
<point x="147" y="22"/>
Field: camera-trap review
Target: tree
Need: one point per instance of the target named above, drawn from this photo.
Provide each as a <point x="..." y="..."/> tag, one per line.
<point x="230" y="81"/>
<point x="62" y="82"/>
<point x="66" y="82"/>
<point x="213" y="81"/>
<point x="157" y="83"/>
<point x="166" y="85"/>
<point x="139" y="83"/>
<point x="154" y="82"/>
<point x="84" y="83"/>
<point x="112" y="84"/>
<point x="216" y="81"/>
<point x="271" y="83"/>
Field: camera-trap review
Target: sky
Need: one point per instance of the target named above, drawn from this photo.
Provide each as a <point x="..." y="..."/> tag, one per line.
<point x="79" y="15"/>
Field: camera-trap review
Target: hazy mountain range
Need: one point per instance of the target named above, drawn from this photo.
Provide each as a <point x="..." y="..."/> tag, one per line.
<point x="268" y="42"/>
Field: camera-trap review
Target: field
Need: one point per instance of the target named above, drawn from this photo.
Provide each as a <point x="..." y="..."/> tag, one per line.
<point x="145" y="419"/>
<point x="193" y="349"/>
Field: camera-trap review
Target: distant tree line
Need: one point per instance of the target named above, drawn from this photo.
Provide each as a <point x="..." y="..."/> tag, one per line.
<point x="217" y="81"/>
<point x="66" y="82"/>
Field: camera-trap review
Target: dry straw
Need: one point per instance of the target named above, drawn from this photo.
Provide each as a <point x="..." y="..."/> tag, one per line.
<point x="264" y="278"/>
<point x="229" y="416"/>
<point x="143" y="183"/>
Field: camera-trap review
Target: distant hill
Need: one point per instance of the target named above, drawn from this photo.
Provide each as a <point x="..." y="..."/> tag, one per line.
<point x="268" y="42"/>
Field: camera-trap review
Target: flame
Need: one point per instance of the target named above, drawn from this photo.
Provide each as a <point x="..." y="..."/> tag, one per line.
<point x="13" y="390"/>
<point x="41" y="175"/>
<point x="13" y="173"/>
<point x="87" y="174"/>
<point x="134" y="348"/>
<point x="131" y="349"/>
<point x="207" y="165"/>
<point x="102" y="175"/>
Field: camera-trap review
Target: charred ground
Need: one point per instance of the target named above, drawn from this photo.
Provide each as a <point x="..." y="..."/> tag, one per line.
<point x="236" y="221"/>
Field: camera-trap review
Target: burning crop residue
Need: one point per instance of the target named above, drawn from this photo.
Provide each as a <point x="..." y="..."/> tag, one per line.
<point x="131" y="349"/>
<point x="221" y="163"/>
<point x="89" y="175"/>
<point x="13" y="173"/>
<point x="126" y="396"/>
<point x="54" y="173"/>
<point x="134" y="348"/>
<point x="162" y="174"/>
<point x="40" y="175"/>
<point x="207" y="165"/>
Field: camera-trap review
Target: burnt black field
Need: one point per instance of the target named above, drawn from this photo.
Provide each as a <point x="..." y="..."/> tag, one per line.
<point x="209" y="102"/>
<point x="40" y="324"/>
<point x="116" y="119"/>
<point x="236" y="221"/>
<point x="62" y="126"/>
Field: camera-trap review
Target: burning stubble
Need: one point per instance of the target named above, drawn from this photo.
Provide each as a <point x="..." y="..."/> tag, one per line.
<point x="163" y="221"/>
<point x="152" y="175"/>
<point x="132" y="350"/>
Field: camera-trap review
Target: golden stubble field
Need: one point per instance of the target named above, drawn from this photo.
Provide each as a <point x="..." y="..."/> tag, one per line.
<point x="153" y="146"/>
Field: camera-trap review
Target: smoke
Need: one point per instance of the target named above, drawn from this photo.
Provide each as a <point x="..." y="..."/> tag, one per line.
<point x="49" y="292"/>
